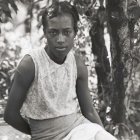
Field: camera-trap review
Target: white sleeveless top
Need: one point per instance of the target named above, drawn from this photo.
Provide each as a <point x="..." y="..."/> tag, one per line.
<point x="53" y="91"/>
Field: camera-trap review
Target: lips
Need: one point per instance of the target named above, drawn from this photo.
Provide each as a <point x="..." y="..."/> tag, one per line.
<point x="61" y="48"/>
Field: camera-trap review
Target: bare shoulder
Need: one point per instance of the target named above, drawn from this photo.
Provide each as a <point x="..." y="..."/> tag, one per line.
<point x="26" y="64"/>
<point x="81" y="67"/>
<point x="26" y="70"/>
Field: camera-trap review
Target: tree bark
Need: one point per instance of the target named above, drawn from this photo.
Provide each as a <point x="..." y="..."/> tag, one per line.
<point x="121" y="60"/>
<point x="102" y="65"/>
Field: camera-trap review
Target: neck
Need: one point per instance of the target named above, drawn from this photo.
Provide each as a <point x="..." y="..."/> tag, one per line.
<point x="58" y="60"/>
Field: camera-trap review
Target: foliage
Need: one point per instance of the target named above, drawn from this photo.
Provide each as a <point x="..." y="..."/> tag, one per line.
<point x="132" y="93"/>
<point x="125" y="64"/>
<point x="5" y="9"/>
<point x="9" y="56"/>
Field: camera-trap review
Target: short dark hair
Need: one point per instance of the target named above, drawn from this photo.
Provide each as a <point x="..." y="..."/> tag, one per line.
<point x="59" y="8"/>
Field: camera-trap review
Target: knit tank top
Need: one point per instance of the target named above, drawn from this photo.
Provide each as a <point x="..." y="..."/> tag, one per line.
<point x="53" y="90"/>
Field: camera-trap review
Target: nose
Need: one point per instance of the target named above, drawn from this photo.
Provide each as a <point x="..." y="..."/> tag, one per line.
<point x="61" y="38"/>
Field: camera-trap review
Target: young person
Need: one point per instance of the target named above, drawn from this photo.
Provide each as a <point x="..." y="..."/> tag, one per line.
<point x="49" y="97"/>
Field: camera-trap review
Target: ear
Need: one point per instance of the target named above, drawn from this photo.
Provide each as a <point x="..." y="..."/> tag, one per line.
<point x="45" y="32"/>
<point x="75" y="33"/>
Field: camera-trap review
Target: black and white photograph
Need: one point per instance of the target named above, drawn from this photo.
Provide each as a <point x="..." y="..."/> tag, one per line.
<point x="69" y="69"/>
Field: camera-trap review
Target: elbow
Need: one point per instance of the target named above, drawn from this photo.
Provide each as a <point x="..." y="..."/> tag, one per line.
<point x="88" y="115"/>
<point x="93" y="117"/>
<point x="6" y="117"/>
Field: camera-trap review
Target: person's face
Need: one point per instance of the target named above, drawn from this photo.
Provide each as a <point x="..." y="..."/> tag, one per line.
<point x="60" y="35"/>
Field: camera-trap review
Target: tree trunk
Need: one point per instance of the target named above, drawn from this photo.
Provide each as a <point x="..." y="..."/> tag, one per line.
<point x="132" y="99"/>
<point x="102" y="65"/>
<point x="121" y="60"/>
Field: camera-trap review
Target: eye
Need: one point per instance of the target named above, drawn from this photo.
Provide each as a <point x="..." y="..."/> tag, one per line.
<point x="67" y="32"/>
<point x="52" y="32"/>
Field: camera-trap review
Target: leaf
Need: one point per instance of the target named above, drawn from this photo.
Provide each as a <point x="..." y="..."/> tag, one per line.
<point x="5" y="9"/>
<point x="13" y="5"/>
<point x="3" y="74"/>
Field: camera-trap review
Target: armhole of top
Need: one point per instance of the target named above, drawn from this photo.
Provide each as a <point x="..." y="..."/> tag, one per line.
<point x="35" y="64"/>
<point x="79" y="64"/>
<point x="75" y="66"/>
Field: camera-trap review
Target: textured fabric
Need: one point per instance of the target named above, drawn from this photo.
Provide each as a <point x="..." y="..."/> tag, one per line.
<point x="55" y="128"/>
<point x="85" y="131"/>
<point x="89" y="131"/>
<point x="53" y="91"/>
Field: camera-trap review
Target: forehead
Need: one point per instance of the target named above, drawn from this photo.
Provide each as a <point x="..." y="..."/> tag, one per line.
<point x="60" y="22"/>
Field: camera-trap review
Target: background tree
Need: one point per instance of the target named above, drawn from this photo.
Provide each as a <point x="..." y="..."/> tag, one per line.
<point x="102" y="65"/>
<point x="122" y="16"/>
<point x="8" y="55"/>
<point x="121" y="22"/>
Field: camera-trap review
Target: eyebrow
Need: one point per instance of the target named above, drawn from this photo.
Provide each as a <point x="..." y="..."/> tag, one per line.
<point x="67" y="28"/>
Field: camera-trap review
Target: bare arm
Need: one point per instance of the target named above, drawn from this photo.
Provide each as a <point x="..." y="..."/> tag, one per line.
<point x="22" y="81"/>
<point x="83" y="94"/>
